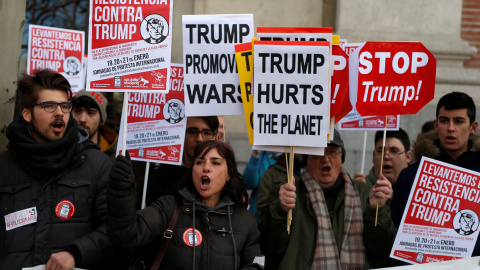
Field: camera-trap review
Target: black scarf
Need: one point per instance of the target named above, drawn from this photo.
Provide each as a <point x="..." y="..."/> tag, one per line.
<point x="43" y="159"/>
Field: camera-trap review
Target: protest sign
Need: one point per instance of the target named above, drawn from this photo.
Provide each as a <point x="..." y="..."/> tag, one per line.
<point x="244" y="55"/>
<point x="291" y="86"/>
<point x="211" y="79"/>
<point x="391" y="78"/>
<point x="156" y="123"/>
<point x="340" y="102"/>
<point x="441" y="219"/>
<point x="58" y="49"/>
<point x="354" y="121"/>
<point x="129" y="45"/>
<point x="467" y="263"/>
<point x="294" y="33"/>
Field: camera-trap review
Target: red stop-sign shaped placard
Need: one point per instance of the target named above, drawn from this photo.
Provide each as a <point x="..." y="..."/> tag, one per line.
<point x="393" y="78"/>
<point x="339" y="84"/>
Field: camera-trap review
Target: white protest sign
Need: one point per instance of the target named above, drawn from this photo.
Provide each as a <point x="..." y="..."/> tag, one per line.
<point x="129" y="45"/>
<point x="212" y="85"/>
<point x="58" y="49"/>
<point x="290" y="89"/>
<point x="442" y="216"/>
<point x="156" y="123"/>
<point x="463" y="264"/>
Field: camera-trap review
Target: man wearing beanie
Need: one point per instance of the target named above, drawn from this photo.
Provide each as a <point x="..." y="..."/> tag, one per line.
<point x="90" y="111"/>
<point x="333" y="223"/>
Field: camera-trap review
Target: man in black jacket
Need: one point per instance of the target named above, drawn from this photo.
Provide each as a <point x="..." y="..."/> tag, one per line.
<point x="53" y="185"/>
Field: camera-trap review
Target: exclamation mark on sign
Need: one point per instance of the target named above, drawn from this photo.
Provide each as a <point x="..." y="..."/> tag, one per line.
<point x="336" y="92"/>
<point x="418" y="89"/>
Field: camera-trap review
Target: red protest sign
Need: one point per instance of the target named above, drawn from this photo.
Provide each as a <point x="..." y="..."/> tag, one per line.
<point x="391" y="78"/>
<point x="339" y="85"/>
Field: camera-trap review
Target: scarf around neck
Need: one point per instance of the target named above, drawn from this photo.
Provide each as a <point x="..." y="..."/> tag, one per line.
<point x="326" y="251"/>
<point x="42" y="159"/>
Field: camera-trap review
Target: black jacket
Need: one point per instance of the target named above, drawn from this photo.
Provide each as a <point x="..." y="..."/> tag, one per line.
<point x="428" y="145"/>
<point x="131" y="229"/>
<point x="81" y="181"/>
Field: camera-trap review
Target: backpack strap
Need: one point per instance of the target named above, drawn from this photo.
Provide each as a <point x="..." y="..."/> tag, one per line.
<point x="168" y="235"/>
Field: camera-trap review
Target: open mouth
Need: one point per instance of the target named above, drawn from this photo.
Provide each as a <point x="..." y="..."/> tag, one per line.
<point x="326" y="169"/>
<point x="205" y="182"/>
<point x="450" y="139"/>
<point x="58" y="125"/>
<point x="387" y="167"/>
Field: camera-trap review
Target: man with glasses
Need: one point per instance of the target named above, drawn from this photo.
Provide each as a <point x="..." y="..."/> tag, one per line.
<point x="397" y="156"/>
<point x="333" y="220"/>
<point x="163" y="178"/>
<point x="53" y="184"/>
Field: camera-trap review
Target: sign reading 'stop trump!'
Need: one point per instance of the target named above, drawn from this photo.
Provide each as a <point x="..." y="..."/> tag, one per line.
<point x="391" y="78"/>
<point x="129" y="45"/>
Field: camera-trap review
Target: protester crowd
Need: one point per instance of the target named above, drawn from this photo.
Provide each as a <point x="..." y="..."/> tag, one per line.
<point x="69" y="202"/>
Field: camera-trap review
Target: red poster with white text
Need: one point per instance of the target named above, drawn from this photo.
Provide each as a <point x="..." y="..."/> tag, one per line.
<point x="156" y="123"/>
<point x="440" y="222"/>
<point x="58" y="49"/>
<point x="129" y="45"/>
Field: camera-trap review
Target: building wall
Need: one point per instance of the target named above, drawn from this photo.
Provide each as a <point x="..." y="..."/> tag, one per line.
<point x="471" y="29"/>
<point x="12" y="20"/>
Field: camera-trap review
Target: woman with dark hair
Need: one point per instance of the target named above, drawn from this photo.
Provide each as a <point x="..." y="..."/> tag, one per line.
<point x="213" y="230"/>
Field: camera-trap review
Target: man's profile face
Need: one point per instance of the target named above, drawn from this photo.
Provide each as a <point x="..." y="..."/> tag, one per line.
<point x="47" y="126"/>
<point x="325" y="169"/>
<point x="394" y="161"/>
<point x="454" y="130"/>
<point x="89" y="119"/>
<point x="155" y="28"/>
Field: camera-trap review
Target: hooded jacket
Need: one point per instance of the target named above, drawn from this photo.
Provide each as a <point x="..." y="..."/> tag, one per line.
<point x="428" y="145"/>
<point x="108" y="140"/>
<point x="43" y="177"/>
<point x="221" y="231"/>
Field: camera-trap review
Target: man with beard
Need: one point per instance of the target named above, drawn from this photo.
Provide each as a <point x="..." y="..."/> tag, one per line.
<point x="90" y="111"/>
<point x="53" y="185"/>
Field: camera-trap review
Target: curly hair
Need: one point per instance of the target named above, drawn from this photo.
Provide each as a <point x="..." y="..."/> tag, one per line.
<point x="236" y="186"/>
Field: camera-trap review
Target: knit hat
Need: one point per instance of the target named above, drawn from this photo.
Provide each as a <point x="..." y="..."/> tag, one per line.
<point x="337" y="141"/>
<point x="99" y="99"/>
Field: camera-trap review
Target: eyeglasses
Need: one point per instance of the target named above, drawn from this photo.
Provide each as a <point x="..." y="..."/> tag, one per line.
<point x="392" y="154"/>
<point x="332" y="154"/>
<point x="206" y="133"/>
<point x="51" y="106"/>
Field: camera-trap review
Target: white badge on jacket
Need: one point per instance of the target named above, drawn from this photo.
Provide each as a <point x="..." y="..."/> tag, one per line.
<point x="21" y="218"/>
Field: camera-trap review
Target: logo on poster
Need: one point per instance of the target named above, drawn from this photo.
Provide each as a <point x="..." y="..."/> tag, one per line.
<point x="154" y="29"/>
<point x="173" y="150"/>
<point x="72" y="66"/>
<point x="174" y="112"/>
<point x="465" y="222"/>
